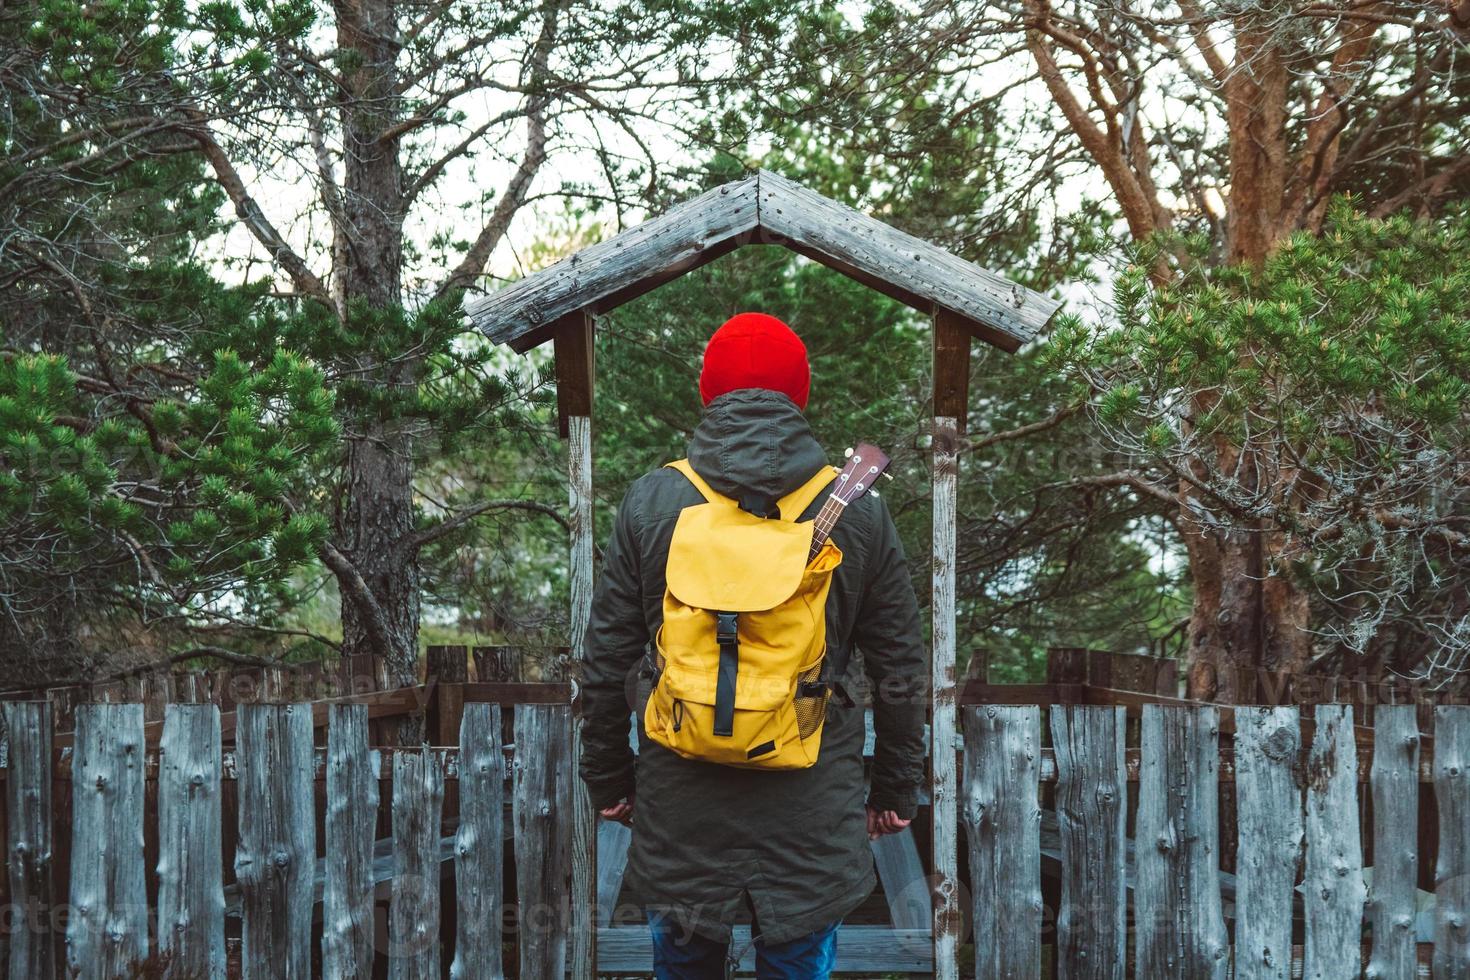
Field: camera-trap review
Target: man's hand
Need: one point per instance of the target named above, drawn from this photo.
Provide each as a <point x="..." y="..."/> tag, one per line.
<point x="880" y="822"/>
<point x="623" y="812"/>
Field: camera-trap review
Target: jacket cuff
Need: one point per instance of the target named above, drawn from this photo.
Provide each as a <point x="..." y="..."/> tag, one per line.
<point x="604" y="791"/>
<point x="903" y="802"/>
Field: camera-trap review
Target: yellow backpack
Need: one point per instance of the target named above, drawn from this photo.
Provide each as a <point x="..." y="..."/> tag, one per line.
<point x="739" y="660"/>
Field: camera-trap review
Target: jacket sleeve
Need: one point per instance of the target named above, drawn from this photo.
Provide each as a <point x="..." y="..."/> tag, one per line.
<point x="616" y="637"/>
<point x="897" y="663"/>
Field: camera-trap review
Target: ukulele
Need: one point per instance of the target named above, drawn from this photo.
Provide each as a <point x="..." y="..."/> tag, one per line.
<point x="864" y="465"/>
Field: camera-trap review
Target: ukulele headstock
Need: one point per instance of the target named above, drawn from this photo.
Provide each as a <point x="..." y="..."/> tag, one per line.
<point x="865" y="463"/>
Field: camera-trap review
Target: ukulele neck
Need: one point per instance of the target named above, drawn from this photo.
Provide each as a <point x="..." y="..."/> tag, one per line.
<point x="826" y="518"/>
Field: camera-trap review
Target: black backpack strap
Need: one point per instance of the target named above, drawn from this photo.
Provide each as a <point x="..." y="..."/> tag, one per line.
<point x="727" y="633"/>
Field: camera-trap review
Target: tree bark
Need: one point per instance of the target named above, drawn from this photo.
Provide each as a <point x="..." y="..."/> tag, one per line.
<point x="376" y="514"/>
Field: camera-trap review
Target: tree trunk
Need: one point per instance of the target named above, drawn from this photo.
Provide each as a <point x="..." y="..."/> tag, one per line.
<point x="376" y="514"/>
<point x="1224" y="621"/>
<point x="1246" y="618"/>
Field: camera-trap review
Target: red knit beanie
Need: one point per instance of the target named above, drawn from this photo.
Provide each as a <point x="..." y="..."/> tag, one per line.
<point x="754" y="350"/>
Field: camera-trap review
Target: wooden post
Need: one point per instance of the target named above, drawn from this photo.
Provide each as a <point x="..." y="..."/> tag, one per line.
<point x="352" y="811"/>
<point x="1269" y="807"/>
<point x="28" y="839"/>
<point x="572" y="353"/>
<point x="191" y="895"/>
<point x="951" y="367"/>
<point x="478" y="874"/>
<point x="447" y="668"/>
<point x="574" y="378"/>
<point x="1395" y="779"/>
<point x="498" y="664"/>
<point x="951" y="376"/>
<point x="275" y="859"/>
<point x="107" y="931"/>
<point x="413" y="921"/>
<point x="944" y="782"/>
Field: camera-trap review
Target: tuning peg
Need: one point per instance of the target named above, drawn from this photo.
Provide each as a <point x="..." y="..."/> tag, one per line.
<point x="847" y="453"/>
<point x="888" y="476"/>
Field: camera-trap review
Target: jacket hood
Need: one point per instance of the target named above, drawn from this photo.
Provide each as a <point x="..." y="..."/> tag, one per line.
<point x="754" y="442"/>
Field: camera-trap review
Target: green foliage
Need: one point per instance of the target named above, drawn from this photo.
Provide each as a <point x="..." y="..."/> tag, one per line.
<point x="1321" y="398"/>
<point x="1372" y="312"/>
<point x="198" y="499"/>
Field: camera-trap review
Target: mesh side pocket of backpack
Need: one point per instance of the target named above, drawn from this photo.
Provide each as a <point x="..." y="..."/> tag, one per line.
<point x="810" y="710"/>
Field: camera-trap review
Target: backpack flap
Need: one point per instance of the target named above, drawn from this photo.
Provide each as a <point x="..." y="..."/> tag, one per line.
<point x="721" y="558"/>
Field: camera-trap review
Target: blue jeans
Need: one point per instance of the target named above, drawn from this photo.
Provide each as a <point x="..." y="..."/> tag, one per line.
<point x="679" y="954"/>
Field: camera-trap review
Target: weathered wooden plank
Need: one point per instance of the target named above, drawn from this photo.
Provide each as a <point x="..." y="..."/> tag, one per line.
<point x="478" y="876"/>
<point x="540" y="805"/>
<point x="944" y="856"/>
<point x="107" y="930"/>
<point x="1392" y="904"/>
<point x="1269" y="823"/>
<point x="865" y="951"/>
<point x="1003" y="825"/>
<point x="583" y="951"/>
<point x="1180" y="925"/>
<point x="276" y="855"/>
<point x="351" y="822"/>
<point x="915" y="271"/>
<point x="613" y="841"/>
<point x="1332" y="882"/>
<point x="191" y="893"/>
<point x="28" y="839"/>
<point x="1092" y="819"/>
<point x="661" y="248"/>
<point x="905" y="888"/>
<point x="1452" y="871"/>
<point x="413" y="920"/>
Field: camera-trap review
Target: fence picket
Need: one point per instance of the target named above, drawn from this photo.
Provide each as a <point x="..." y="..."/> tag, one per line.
<point x="107" y="929"/>
<point x="1392" y="904"/>
<point x="478" y="876"/>
<point x="540" y="811"/>
<point x="1333" y="889"/>
<point x="413" y="922"/>
<point x="29" y="839"/>
<point x="1003" y="822"/>
<point x="1269" y="820"/>
<point x="351" y="824"/>
<point x="1452" y="872"/>
<point x="275" y="859"/>
<point x="1092" y="815"/>
<point x="1180" y="925"/>
<point x="191" y="892"/>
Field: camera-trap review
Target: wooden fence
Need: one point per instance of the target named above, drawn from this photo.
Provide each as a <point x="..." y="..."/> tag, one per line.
<point x="1094" y="845"/>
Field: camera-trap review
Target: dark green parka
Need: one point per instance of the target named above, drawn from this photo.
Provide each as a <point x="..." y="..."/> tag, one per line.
<point x="707" y="836"/>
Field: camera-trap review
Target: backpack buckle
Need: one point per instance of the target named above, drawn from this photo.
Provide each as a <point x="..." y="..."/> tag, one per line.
<point x="725" y="628"/>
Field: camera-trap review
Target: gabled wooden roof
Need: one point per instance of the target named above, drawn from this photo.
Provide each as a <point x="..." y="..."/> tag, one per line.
<point x="762" y="209"/>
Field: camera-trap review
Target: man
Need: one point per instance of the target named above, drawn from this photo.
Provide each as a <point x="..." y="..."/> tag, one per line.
<point x="709" y="839"/>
